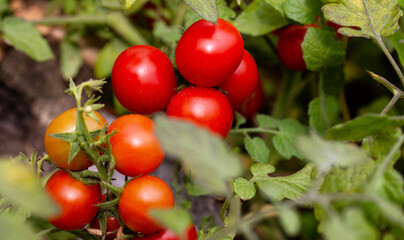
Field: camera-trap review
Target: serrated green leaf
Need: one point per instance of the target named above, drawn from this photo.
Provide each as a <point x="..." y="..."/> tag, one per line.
<point x="321" y="49"/>
<point x="203" y="154"/>
<point x="12" y="229"/>
<point x="291" y="187"/>
<point x="206" y="9"/>
<point x="285" y="141"/>
<point x="107" y="56"/>
<point x="374" y="18"/>
<point x="322" y="118"/>
<point x="178" y="220"/>
<point x="68" y="137"/>
<point x="257" y="149"/>
<point x="70" y="59"/>
<point x="362" y="126"/>
<point x="21" y="188"/>
<point x="25" y="37"/>
<point x="259" y="18"/>
<point x="326" y="154"/>
<point x="244" y="188"/>
<point x="277" y="4"/>
<point x="261" y="169"/>
<point x="289" y="219"/>
<point x="266" y="121"/>
<point x="302" y="11"/>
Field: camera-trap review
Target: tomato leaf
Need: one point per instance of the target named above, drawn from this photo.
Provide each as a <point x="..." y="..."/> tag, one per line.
<point x="244" y="188"/>
<point x="129" y="4"/>
<point x="379" y="145"/>
<point x="107" y="56"/>
<point x="25" y="37"/>
<point x="326" y="154"/>
<point x="205" y="155"/>
<point x="321" y="49"/>
<point x="291" y="187"/>
<point x="259" y="18"/>
<point x="277" y="4"/>
<point x="240" y="120"/>
<point x="257" y="149"/>
<point x="11" y="228"/>
<point x="178" y="220"/>
<point x="262" y="169"/>
<point x="389" y="186"/>
<point x="266" y="121"/>
<point x="398" y="45"/>
<point x="363" y="126"/>
<point x="374" y="18"/>
<point x="168" y="34"/>
<point x="289" y="219"/>
<point x="284" y="142"/>
<point x="321" y="119"/>
<point x="21" y="188"/>
<point x="302" y="11"/>
<point x="70" y="59"/>
<point x="207" y="9"/>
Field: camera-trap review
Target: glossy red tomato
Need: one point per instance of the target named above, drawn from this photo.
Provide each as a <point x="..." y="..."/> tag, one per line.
<point x="141" y="195"/>
<point x="252" y="106"/>
<point x="207" y="107"/>
<point x="143" y="79"/>
<point x="191" y="234"/>
<point x="58" y="150"/>
<point x="207" y="54"/>
<point x="135" y="146"/>
<point x="112" y="226"/>
<point x="290" y="46"/>
<point x="75" y="199"/>
<point x="242" y="82"/>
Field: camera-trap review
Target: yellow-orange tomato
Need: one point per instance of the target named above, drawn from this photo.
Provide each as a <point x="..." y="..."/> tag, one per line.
<point x="58" y="150"/>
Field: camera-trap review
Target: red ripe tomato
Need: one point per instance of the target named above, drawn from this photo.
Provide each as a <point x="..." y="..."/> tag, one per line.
<point x="253" y="104"/>
<point x="191" y="234"/>
<point x="75" y="199"/>
<point x="242" y="82"/>
<point x="143" y="79"/>
<point x="207" y="107"/>
<point x="112" y="226"/>
<point x="141" y="195"/>
<point x="290" y="46"/>
<point x="135" y="146"/>
<point x="58" y="150"/>
<point x="207" y="54"/>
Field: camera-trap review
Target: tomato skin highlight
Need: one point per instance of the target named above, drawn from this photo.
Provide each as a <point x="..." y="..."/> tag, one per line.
<point x="58" y="150"/>
<point x="141" y="195"/>
<point x="135" y="146"/>
<point x="290" y="46"/>
<point x="75" y="199"/>
<point x="167" y="234"/>
<point x="242" y="82"/>
<point x="206" y="54"/>
<point x="207" y="107"/>
<point x="143" y="79"/>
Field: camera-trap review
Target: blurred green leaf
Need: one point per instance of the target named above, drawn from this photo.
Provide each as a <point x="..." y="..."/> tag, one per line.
<point x="205" y="155"/>
<point x="178" y="220"/>
<point x="379" y="145"/>
<point x="389" y="186"/>
<point x="396" y="39"/>
<point x="259" y="18"/>
<point x="244" y="188"/>
<point x="107" y="57"/>
<point x="193" y="189"/>
<point x="70" y="6"/>
<point x="302" y="11"/>
<point x="3" y="7"/>
<point x="285" y="141"/>
<point x="129" y="4"/>
<point x="289" y="219"/>
<point x="320" y="120"/>
<point x="291" y="187"/>
<point x="390" y="211"/>
<point x="321" y="49"/>
<point x="377" y="105"/>
<point x="277" y="4"/>
<point x="19" y="213"/>
<point x="13" y="229"/>
<point x="373" y="18"/>
<point x="257" y="149"/>
<point x="25" y="37"/>
<point x="21" y="187"/>
<point x="262" y="169"/>
<point x="225" y="12"/>
<point x="266" y="121"/>
<point x="70" y="59"/>
<point x="362" y="126"/>
<point x="207" y="9"/>
<point x="167" y="34"/>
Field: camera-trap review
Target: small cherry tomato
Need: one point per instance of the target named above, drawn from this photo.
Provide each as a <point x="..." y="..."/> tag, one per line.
<point x="207" y="107"/>
<point x="252" y="106"/>
<point x="76" y="200"/>
<point x="191" y="234"/>
<point x="143" y="79"/>
<point x="58" y="150"/>
<point x="290" y="46"/>
<point x="135" y="146"/>
<point x="242" y="82"/>
<point x="141" y="195"/>
<point x="208" y="53"/>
